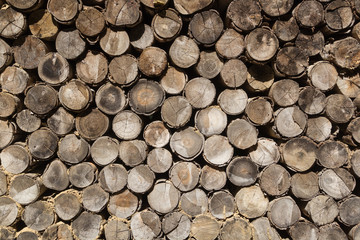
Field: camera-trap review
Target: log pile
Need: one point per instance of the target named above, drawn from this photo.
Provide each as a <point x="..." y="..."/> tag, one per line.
<point x="159" y="119"/>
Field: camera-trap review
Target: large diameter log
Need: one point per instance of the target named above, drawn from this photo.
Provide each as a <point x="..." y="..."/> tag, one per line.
<point x="285" y="92"/>
<point x="242" y="134"/>
<point x="38" y="215"/>
<point x="167" y="25"/>
<point x="123" y="204"/>
<point x="212" y="178"/>
<point x="133" y="152"/>
<point x="123" y="70"/>
<point x="176" y="225"/>
<point x="173" y="81"/>
<point x="187" y="143"/>
<point x="333" y="154"/>
<point x="113" y="177"/>
<point x="176" y="111"/>
<point x="222" y="204"/>
<point x="41" y="99"/>
<point x="145" y="225"/>
<point x="70" y="44"/>
<point x="241" y="171"/>
<point x="25" y="188"/>
<point x="104" y="150"/>
<point x="92" y="68"/>
<point x="283" y="212"/>
<point x="286" y="30"/>
<point x="65" y="11"/>
<point x="251" y="202"/>
<point x="83" y="174"/>
<point x="141" y="37"/>
<point x="304" y="230"/>
<point x="75" y="95"/>
<point x="244" y="15"/>
<point x="12" y="23"/>
<point x="92" y="125"/>
<point x="261" y="44"/>
<point x="332" y="230"/>
<point x="67" y="204"/>
<point x="42" y="25"/>
<point x="194" y="202"/>
<point x="159" y="160"/>
<point x="259" y="78"/>
<point x="232" y="102"/>
<point x="153" y="61"/>
<point x="217" y="150"/>
<point x="15" y="80"/>
<point x="184" y="52"/>
<point x="339" y="108"/>
<point x="205" y="228"/>
<point x="184" y="175"/>
<point x="87" y="226"/>
<point x="305" y="186"/>
<point x="116" y="228"/>
<point x="73" y="149"/>
<point x="322" y="209"/>
<point x="15" y="158"/>
<point x="27" y="121"/>
<point x="265" y="153"/>
<point x="94" y="198"/>
<point x="127" y="125"/>
<point x="275" y="180"/>
<point x="140" y="179"/>
<point x="55" y="176"/>
<point x="233" y="73"/>
<point x="236" y="228"/>
<point x="230" y="45"/>
<point x="42" y="144"/>
<point x="337" y="183"/>
<point x="61" y="122"/>
<point x="262" y="230"/>
<point x="200" y="92"/>
<point x="170" y="197"/>
<point x="122" y="13"/>
<point x="156" y="134"/>
<point x="58" y="230"/>
<point x="209" y="64"/>
<point x="290" y="121"/>
<point x="275" y="9"/>
<point x="10" y="211"/>
<point x="349" y="212"/>
<point x="188" y="8"/>
<point x="309" y="14"/>
<point x="90" y="22"/>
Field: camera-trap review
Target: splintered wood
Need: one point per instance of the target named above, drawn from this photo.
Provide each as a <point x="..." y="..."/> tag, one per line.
<point x="178" y="119"/>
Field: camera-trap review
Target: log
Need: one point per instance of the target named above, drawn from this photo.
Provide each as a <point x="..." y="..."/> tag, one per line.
<point x="8" y="132"/>
<point x="123" y="70"/>
<point x="188" y="8"/>
<point x="104" y="150"/>
<point x="184" y="52"/>
<point x="145" y="225"/>
<point x="114" y="43"/>
<point x="333" y="154"/>
<point x="292" y="61"/>
<point x="283" y="212"/>
<point x="261" y="44"/>
<point x="176" y="111"/>
<point x="9" y="104"/>
<point x="305" y="186"/>
<point x="113" y="177"/>
<point x="15" y="158"/>
<point x="55" y="176"/>
<point x="348" y="211"/>
<point x="67" y="204"/>
<point x="94" y="198"/>
<point x="58" y="230"/>
<point x="42" y="25"/>
<point x="241" y="171"/>
<point x="123" y="204"/>
<point x="38" y="215"/>
<point x="15" y="80"/>
<point x="170" y="197"/>
<point x="262" y="229"/>
<point x="176" y="225"/>
<point x="41" y="99"/>
<point x="13" y="23"/>
<point x="206" y="27"/>
<point x="65" y="11"/>
<point x="236" y="228"/>
<point x="286" y="30"/>
<point x="230" y="45"/>
<point x="309" y="14"/>
<point x="92" y="124"/>
<point x="73" y="149"/>
<point x="323" y="75"/>
<point x="159" y="160"/>
<point x="92" y="68"/>
<point x="70" y="44"/>
<point x="133" y="152"/>
<point x="265" y="152"/>
<point x="7" y="233"/>
<point x="3" y="184"/>
<point x="259" y="78"/>
<point x="61" y="122"/>
<point x="194" y="202"/>
<point x="212" y="178"/>
<point x="116" y="228"/>
<point x="217" y="150"/>
<point x="141" y="37"/>
<point x="242" y="134"/>
<point x="42" y="144"/>
<point x="275" y="9"/>
<point x="209" y="64"/>
<point x="167" y="25"/>
<point x="251" y="202"/>
<point x="25" y="188"/>
<point x="152" y="61"/>
<point x="140" y="179"/>
<point x="232" y="101"/>
<point x="146" y="97"/>
<point x="10" y="211"/>
<point x="331" y="230"/>
<point x="338" y="183"/>
<point x="123" y="13"/>
<point x="87" y="226"/>
<point x="156" y="134"/>
<point x="311" y="100"/>
<point x="90" y="22"/>
<point x="233" y="73"/>
<point x="27" y="121"/>
<point x="259" y="110"/>
<point x="348" y="85"/>
<point x="173" y="81"/>
<point x="28" y="234"/>
<point x="187" y="144"/>
<point x="75" y="95"/>
<point x="6" y="54"/>
<point x="311" y="44"/>
<point x="200" y="92"/>
<point x="83" y="174"/>
<point x="205" y="227"/>
<point x="127" y="125"/>
<point x="275" y="180"/>
<point x="222" y="204"/>
<point x="355" y="163"/>
<point x="304" y="230"/>
<point x="290" y="121"/>
<point x="285" y="92"/>
<point x="244" y="15"/>
<point x="339" y="108"/>
<point x="210" y="121"/>
<point x="339" y="15"/>
<point x="25" y="6"/>
<point x="184" y="175"/>
<point x="354" y="232"/>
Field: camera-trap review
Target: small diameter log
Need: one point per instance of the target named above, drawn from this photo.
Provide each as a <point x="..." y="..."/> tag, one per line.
<point x="236" y="228"/>
<point x="275" y="9"/>
<point x="123" y="70"/>
<point x="312" y="44"/>
<point x="285" y="92"/>
<point x="9" y="104"/>
<point x="322" y="209"/>
<point x="337" y="183"/>
<point x="133" y="152"/>
<point x="260" y="78"/>
<point x="210" y="121"/>
<point x="354" y="232"/>
<point x="205" y="227"/>
<point x="146" y="97"/>
<point x="83" y="174"/>
<point x="113" y="177"/>
<point x="262" y="229"/>
<point x="15" y="158"/>
<point x="339" y="108"/>
<point x="242" y="134"/>
<point x="332" y="230"/>
<point x="123" y="13"/>
<point x="230" y="45"/>
<point x="173" y="81"/>
<point x="194" y="202"/>
<point x="244" y="15"/>
<point x="184" y="52"/>
<point x="3" y="183"/>
<point x="140" y="179"/>
<point x="176" y="225"/>
<point x="25" y="5"/>
<point x="42" y="25"/>
<point x="265" y="153"/>
<point x="260" y="110"/>
<point x="25" y="188"/>
<point x="206" y="27"/>
<point x="184" y="175"/>
<point x="349" y="211"/>
<point x="15" y="80"/>
<point x="299" y="154"/>
<point x="41" y="99"/>
<point x="169" y="195"/>
<point x="304" y="230"/>
<point x="6" y="54"/>
<point x="159" y="160"/>
<point x="42" y="144"/>
<point x="200" y="92"/>
<point x="176" y="111"/>
<point x="167" y="25"/>
<point x="65" y="11"/>
<point x="275" y="180"/>
<point x="355" y="163"/>
<point x="94" y="198"/>
<point x="55" y="176"/>
<point x="305" y="186"/>
<point x="116" y="228"/>
<point x="188" y="8"/>
<point x="61" y="122"/>
<point x="58" y="230"/>
<point x="349" y="86"/>
<point x="75" y="95"/>
<point x="73" y="149"/>
<point x="7" y="233"/>
<point x="152" y="61"/>
<point x="38" y="215"/>
<point x="217" y="150"/>
<point x="90" y="22"/>
<point x="92" y="124"/>
<point x="251" y="202"/>
<point x="10" y="211"/>
<point x="222" y="204"/>
<point x="104" y="150"/>
<point x="283" y="212"/>
<point x="27" y="121"/>
<point x="311" y="100"/>
<point x="145" y="225"/>
<point x="67" y="204"/>
<point x="13" y="23"/>
<point x="7" y="133"/>
<point x="70" y="44"/>
<point x="212" y="179"/>
<point x="339" y="15"/>
<point x="156" y="134"/>
<point x="292" y="61"/>
<point x="187" y="143"/>
<point x="286" y="30"/>
<point x="261" y="44"/>
<point x="114" y="43"/>
<point x="92" y="68"/>
<point x="141" y="36"/>
<point x="323" y="75"/>
<point x="209" y="64"/>
<point x="233" y="73"/>
<point x="28" y="234"/>
<point x="333" y="154"/>
<point x="123" y="204"/>
<point x="290" y="121"/>
<point x="127" y="125"/>
<point x="241" y="171"/>
<point x="232" y="102"/>
<point x="309" y="14"/>
<point x="87" y="226"/>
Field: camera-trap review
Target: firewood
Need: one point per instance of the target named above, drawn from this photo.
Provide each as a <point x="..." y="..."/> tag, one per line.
<point x="275" y="9"/>
<point x="12" y="23"/>
<point x="222" y="204"/>
<point x="265" y="152"/>
<point x="176" y="225"/>
<point x="184" y="52"/>
<point x="230" y="45"/>
<point x="15" y="80"/>
<point x="169" y="194"/>
<point x="141" y="37"/>
<point x="309" y="14"/>
<point x="9" y="104"/>
<point x="242" y="134"/>
<point x="75" y="95"/>
<point x="194" y="202"/>
<point x="339" y="108"/>
<point x="58" y="230"/>
<point x="285" y="92"/>
<point x="123" y="70"/>
<point x="167" y="25"/>
<point x="283" y="212"/>
<point x="123" y="13"/>
<point x="27" y="121"/>
<point x="338" y="15"/>
<point x="140" y="179"/>
<point x="28" y="234"/>
<point x="348" y="213"/>
<point x="236" y="228"/>
<point x="290" y="121"/>
<point x="15" y="158"/>
<point x="87" y="226"/>
<point x="187" y="143"/>
<point x="233" y="102"/>
<point x="92" y="68"/>
<point x="212" y="178"/>
<point x="8" y="132"/>
<point x="173" y="81"/>
<point x="55" y="176"/>
<point x="114" y="43"/>
<point x="60" y="122"/>
<point x="318" y="129"/>
<point x="217" y="150"/>
<point x="323" y="75"/>
<point x="311" y="100"/>
<point x="69" y="44"/>
<point x="7" y="233"/>
<point x="188" y="8"/>
<point x="133" y="152"/>
<point x="83" y="174"/>
<point x="333" y="154"/>
<point x="159" y="160"/>
<point x="251" y="202"/>
<point x="25" y="6"/>
<point x="205" y="227"/>
<point x="200" y="92"/>
<point x="42" y="25"/>
<point x="6" y="54"/>
<point x="101" y="157"/>
<point x="292" y="61"/>
<point x="354" y="232"/>
<point x="244" y="15"/>
<point x="312" y="44"/>
<point x="67" y="204"/>
<point x="332" y="230"/>
<point x="127" y="125"/>
<point x="210" y="121"/>
<point x="233" y="73"/>
<point x="153" y="61"/>
<point x="263" y="230"/>
<point x="261" y="44"/>
<point x="90" y="22"/>
<point x="259" y="78"/>
<point x="10" y="211"/>
<point x="354" y="161"/>
<point x="123" y="204"/>
<point x="337" y="183"/>
<point x="259" y="110"/>
<point x="145" y="225"/>
<point x="42" y="144"/>
<point x="304" y="230"/>
<point x="65" y="11"/>
<point x="94" y="198"/>
<point x="275" y="180"/>
<point x="41" y="99"/>
<point x="26" y="55"/>
<point x="184" y="175"/>
<point x="156" y="134"/>
<point x="92" y="124"/>
<point x="241" y="171"/>
<point x="176" y="111"/>
<point x="73" y="149"/>
<point x="115" y="228"/>
<point x="25" y="188"/>
<point x="348" y="85"/>
<point x="305" y="186"/>
<point x="39" y="215"/>
<point x="113" y="177"/>
<point x="286" y="30"/>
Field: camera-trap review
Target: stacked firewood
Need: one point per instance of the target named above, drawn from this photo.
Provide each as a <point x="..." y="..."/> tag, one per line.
<point x="178" y="119"/>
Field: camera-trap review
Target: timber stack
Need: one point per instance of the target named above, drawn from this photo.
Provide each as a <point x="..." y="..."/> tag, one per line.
<point x="177" y="119"/>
